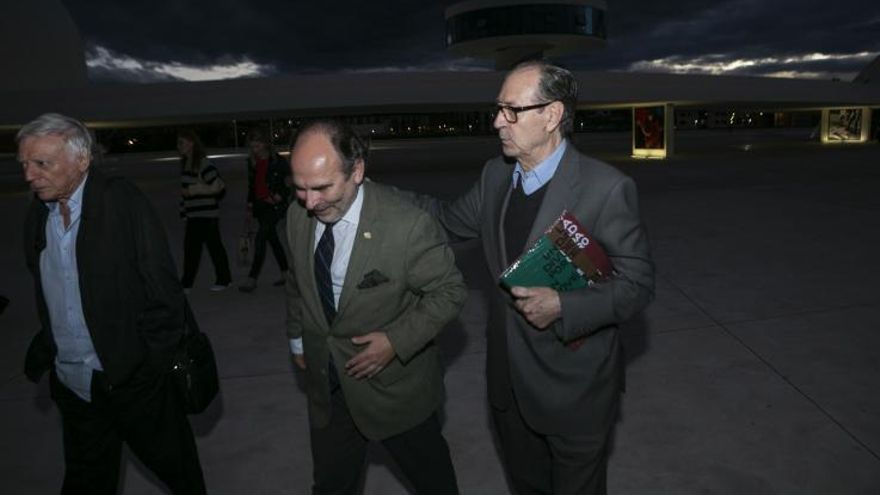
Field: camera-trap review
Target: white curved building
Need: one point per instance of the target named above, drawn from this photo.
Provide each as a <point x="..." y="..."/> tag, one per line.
<point x="47" y="72"/>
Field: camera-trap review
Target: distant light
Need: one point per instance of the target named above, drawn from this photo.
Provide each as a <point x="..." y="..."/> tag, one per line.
<point x="228" y="155"/>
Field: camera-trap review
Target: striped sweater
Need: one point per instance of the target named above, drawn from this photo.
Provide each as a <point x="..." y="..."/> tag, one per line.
<point x="199" y="204"/>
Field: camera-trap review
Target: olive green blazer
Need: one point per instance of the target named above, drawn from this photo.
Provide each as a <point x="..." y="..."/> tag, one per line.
<point x="402" y="280"/>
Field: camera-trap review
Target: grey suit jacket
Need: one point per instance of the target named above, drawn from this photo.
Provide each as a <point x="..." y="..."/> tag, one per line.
<point x="420" y="290"/>
<point x="560" y="390"/>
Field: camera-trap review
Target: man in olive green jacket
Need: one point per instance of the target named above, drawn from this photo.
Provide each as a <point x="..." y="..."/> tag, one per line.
<point x="371" y="284"/>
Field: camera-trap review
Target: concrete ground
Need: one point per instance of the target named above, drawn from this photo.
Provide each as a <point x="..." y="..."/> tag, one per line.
<point x="756" y="370"/>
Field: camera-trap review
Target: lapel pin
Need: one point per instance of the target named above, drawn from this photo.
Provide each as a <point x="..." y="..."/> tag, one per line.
<point x="368" y="235"/>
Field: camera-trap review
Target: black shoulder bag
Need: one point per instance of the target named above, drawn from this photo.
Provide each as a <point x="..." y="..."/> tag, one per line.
<point x="194" y="369"/>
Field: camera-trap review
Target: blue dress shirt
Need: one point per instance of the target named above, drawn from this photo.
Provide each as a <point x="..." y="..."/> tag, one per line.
<point x="536" y="178"/>
<point x="76" y="358"/>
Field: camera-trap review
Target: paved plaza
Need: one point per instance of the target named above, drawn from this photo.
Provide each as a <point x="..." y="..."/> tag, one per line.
<point x="756" y="369"/>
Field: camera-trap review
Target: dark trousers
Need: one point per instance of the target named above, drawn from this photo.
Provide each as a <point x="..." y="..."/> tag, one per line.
<point x="339" y="451"/>
<point x="205" y="231"/>
<point x="268" y="219"/>
<point x="550" y="464"/>
<point x="146" y="414"/>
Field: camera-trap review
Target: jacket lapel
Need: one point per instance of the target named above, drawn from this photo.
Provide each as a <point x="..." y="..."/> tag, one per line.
<point x="497" y="196"/>
<point x="498" y="229"/>
<point x="303" y="248"/>
<point x="41" y="214"/>
<point x="91" y="204"/>
<point x="559" y="196"/>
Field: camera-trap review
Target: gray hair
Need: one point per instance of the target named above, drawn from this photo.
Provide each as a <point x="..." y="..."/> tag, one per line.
<point x="77" y="137"/>
<point x="555" y="84"/>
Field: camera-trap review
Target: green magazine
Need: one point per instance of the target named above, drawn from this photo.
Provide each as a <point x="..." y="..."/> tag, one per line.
<point x="563" y="258"/>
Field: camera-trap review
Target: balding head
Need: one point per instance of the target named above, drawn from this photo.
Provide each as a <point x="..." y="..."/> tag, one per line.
<point x="327" y="172"/>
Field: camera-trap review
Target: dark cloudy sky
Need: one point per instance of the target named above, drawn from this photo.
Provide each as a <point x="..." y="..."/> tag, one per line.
<point x="135" y="40"/>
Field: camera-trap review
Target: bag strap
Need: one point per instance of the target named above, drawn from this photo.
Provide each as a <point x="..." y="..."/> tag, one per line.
<point x="190" y="325"/>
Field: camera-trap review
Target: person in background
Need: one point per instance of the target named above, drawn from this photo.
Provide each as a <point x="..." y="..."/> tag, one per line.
<point x="201" y="191"/>
<point x="267" y="200"/>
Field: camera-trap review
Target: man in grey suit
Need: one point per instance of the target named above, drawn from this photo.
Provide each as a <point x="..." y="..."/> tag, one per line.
<point x="371" y="283"/>
<point x="553" y="403"/>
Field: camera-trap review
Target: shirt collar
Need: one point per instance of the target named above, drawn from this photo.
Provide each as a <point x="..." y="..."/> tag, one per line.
<point x="536" y="178"/>
<point x="353" y="215"/>
<point x="75" y="200"/>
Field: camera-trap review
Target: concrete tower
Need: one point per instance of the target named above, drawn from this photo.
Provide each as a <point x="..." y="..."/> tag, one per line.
<point x="508" y="31"/>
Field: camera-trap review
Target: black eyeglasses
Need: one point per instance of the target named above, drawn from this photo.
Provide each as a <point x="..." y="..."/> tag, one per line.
<point x="511" y="114"/>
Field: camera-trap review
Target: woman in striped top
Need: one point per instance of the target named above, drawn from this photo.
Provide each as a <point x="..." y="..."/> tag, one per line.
<point x="201" y="191"/>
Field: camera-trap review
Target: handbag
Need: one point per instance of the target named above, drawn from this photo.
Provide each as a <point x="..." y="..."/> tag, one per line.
<point x="215" y="188"/>
<point x="194" y="369"/>
<point x="245" y="247"/>
<point x="246" y="241"/>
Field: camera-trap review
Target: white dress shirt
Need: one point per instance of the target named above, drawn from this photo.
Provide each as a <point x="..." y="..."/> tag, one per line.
<point x="344" y="234"/>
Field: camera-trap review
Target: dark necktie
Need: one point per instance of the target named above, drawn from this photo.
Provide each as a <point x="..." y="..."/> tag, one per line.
<point x="323" y="259"/>
<point x="324" y="281"/>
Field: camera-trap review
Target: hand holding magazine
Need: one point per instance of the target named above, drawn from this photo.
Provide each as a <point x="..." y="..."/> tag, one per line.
<point x="564" y="258"/>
